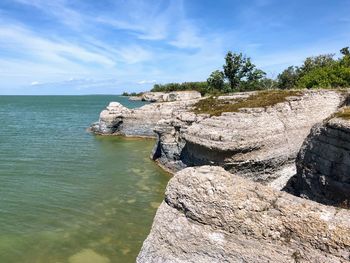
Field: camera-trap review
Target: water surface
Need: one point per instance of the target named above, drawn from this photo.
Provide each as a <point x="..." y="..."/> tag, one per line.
<point x="68" y="196"/>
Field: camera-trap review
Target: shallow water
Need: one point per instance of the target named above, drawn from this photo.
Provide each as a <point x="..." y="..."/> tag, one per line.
<point x="68" y="196"/>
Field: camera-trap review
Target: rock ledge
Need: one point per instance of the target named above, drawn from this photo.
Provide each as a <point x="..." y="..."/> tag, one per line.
<point x="210" y="215"/>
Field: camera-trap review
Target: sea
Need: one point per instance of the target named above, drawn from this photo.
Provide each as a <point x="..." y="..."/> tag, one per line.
<point x="67" y="196"/>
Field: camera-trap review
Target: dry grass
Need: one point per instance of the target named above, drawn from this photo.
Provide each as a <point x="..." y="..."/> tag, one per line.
<point x="344" y="113"/>
<point x="262" y="99"/>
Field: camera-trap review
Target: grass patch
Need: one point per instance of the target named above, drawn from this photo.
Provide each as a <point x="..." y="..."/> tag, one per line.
<point x="344" y="113"/>
<point x="262" y="99"/>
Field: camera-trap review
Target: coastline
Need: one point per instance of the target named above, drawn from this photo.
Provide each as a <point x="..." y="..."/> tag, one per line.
<point x="178" y="133"/>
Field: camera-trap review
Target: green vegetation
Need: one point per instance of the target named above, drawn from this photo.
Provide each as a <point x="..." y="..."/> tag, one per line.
<point x="323" y="71"/>
<point x="344" y="113"/>
<point x="201" y="87"/>
<point x="131" y="94"/>
<point x="261" y="99"/>
<point x="240" y="74"/>
<point x="216" y="80"/>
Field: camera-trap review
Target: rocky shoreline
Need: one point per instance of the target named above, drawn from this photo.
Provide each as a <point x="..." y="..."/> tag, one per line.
<point x="210" y="214"/>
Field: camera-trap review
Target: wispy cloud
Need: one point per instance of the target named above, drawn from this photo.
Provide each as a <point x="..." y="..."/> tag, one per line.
<point x="19" y="39"/>
<point x="58" y="9"/>
<point x="114" y="45"/>
<point x="146" y="82"/>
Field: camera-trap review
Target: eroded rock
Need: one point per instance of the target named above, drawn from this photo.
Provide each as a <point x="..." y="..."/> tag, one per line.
<point x="323" y="164"/>
<point x="256" y="143"/>
<point x="210" y="215"/>
<point x="119" y="120"/>
<point x="170" y="96"/>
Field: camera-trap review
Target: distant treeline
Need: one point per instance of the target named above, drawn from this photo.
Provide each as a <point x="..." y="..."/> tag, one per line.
<point x="201" y="86"/>
<point x="240" y="74"/>
<point x="131" y="94"/>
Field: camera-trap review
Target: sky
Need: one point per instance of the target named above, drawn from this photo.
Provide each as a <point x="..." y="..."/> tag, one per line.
<point x="111" y="46"/>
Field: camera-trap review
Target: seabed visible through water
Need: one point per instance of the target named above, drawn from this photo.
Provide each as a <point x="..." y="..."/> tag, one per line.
<point x="67" y="196"/>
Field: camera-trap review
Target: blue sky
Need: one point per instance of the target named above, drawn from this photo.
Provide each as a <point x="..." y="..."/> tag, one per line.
<point x="110" y="46"/>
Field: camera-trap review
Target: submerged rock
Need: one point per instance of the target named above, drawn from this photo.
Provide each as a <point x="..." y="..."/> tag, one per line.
<point x="210" y="215"/>
<point x="323" y="164"/>
<point x="88" y="256"/>
<point x="257" y="143"/>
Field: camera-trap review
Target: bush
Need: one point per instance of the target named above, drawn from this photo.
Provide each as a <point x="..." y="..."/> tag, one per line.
<point x="318" y="72"/>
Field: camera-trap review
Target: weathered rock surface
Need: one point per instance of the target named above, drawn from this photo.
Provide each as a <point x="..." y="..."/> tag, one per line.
<point x="210" y="215"/>
<point x="170" y="96"/>
<point x="135" y="98"/>
<point x="259" y="143"/>
<point x="117" y="119"/>
<point x="323" y="164"/>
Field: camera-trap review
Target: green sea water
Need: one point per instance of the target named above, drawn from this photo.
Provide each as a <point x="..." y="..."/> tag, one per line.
<point x="67" y="196"/>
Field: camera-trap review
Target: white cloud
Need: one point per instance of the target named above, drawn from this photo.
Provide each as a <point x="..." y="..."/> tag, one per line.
<point x="34" y="83"/>
<point x="21" y="40"/>
<point x="146" y="82"/>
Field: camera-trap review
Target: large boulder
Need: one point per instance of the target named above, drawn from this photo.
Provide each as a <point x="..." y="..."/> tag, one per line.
<point x="257" y="143"/>
<point x="323" y="164"/>
<point x="210" y="215"/>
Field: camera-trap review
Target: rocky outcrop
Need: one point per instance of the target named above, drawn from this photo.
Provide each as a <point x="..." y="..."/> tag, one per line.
<point x="323" y="164"/>
<point x="210" y="215"/>
<point x="170" y="96"/>
<point x="258" y="143"/>
<point x="119" y="120"/>
<point x="135" y="98"/>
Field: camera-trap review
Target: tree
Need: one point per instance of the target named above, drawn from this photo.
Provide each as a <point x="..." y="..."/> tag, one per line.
<point x="240" y="71"/>
<point x="288" y="78"/>
<point x="325" y="72"/>
<point x="345" y="51"/>
<point x="345" y="60"/>
<point x="216" y="80"/>
<point x="320" y="61"/>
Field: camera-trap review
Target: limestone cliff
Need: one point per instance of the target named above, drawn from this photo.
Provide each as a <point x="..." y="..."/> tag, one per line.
<point x="257" y="143"/>
<point x="119" y="120"/>
<point x="323" y="164"/>
<point x="170" y="96"/>
<point x="210" y="215"/>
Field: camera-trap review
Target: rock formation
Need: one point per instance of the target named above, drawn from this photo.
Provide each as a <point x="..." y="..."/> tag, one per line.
<point x="210" y="215"/>
<point x="119" y="120"/>
<point x="323" y="164"/>
<point x="170" y="96"/>
<point x="257" y="143"/>
<point x="167" y="96"/>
